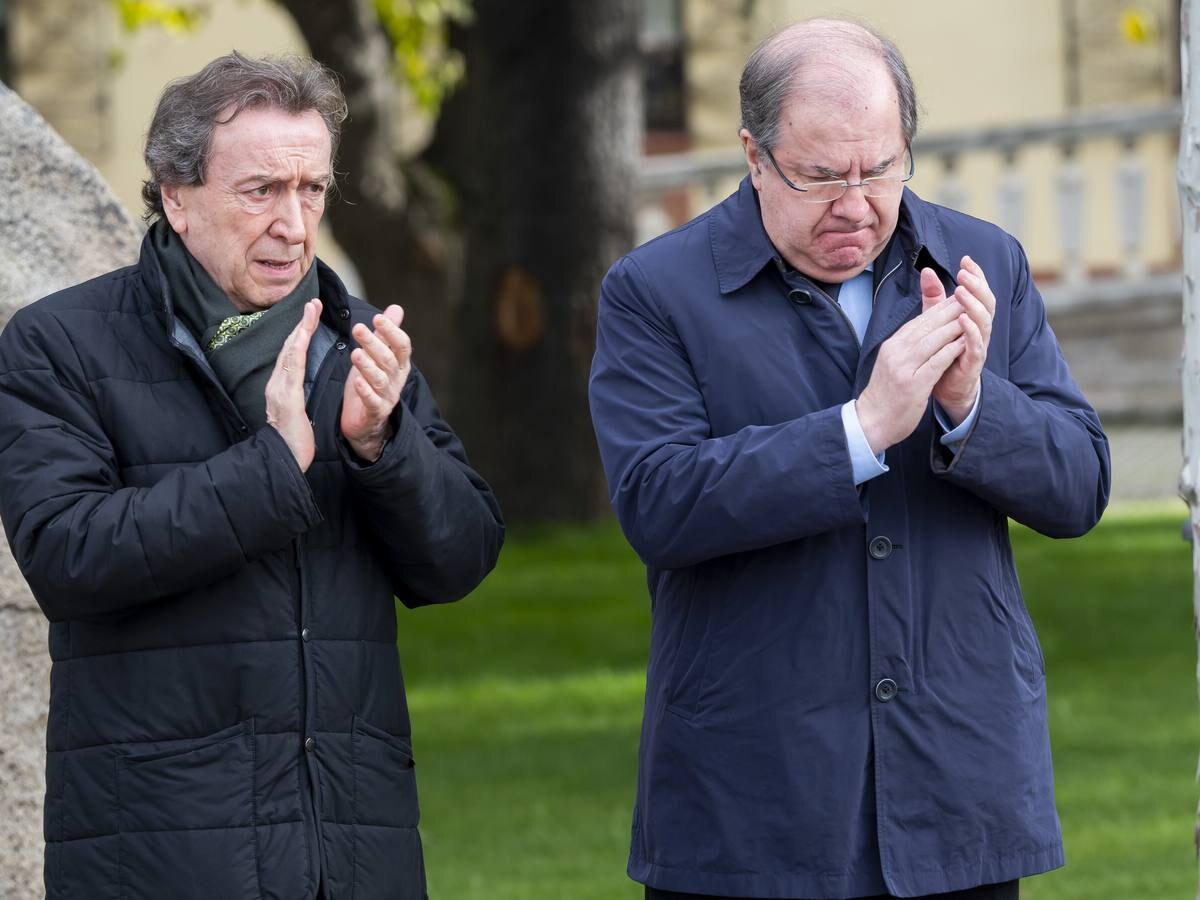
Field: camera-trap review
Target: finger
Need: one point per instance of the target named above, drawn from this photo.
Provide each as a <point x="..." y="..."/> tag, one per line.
<point x="931" y="289"/>
<point x="394" y="314"/>
<point x="931" y="319"/>
<point x="377" y="407"/>
<point x="304" y="331"/>
<point x="929" y="345"/>
<point x="292" y="358"/>
<point x="976" y="347"/>
<point x="370" y="371"/>
<point x="974" y="307"/>
<point x="936" y="365"/>
<point x="376" y="347"/>
<point x="971" y="266"/>
<point x="979" y="312"/>
<point x="971" y="277"/>
<point x="387" y="327"/>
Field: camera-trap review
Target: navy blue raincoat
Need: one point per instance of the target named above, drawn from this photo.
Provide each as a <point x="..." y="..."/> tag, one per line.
<point x="845" y="693"/>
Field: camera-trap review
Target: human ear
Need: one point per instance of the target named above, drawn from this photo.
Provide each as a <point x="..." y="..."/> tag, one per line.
<point x="174" y="207"/>
<point x="753" y="159"/>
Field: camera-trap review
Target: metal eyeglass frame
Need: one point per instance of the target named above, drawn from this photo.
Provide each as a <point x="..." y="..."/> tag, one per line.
<point x="846" y="185"/>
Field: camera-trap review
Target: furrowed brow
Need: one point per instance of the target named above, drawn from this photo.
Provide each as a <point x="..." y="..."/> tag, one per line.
<point x="882" y="167"/>
<point x="258" y="178"/>
<point x="823" y="172"/>
<point x="255" y="179"/>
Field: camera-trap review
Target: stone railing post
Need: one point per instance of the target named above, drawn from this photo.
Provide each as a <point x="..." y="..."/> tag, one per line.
<point x="950" y="191"/>
<point x="1131" y="207"/>
<point x="1010" y="195"/>
<point x="1069" y="184"/>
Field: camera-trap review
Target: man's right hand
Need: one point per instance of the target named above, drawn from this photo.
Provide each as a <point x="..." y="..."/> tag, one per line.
<point x="909" y="364"/>
<point x="285" y="389"/>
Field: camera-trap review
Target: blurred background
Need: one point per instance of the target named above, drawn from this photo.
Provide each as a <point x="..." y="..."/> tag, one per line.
<point x="501" y="155"/>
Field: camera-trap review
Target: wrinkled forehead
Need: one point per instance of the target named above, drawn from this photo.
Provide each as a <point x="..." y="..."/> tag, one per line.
<point x="265" y="137"/>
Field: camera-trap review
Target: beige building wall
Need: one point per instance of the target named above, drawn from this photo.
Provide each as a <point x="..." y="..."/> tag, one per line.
<point x="980" y="63"/>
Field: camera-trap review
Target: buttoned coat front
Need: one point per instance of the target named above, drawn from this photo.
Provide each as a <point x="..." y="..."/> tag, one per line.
<point x="227" y="712"/>
<point x="845" y="693"/>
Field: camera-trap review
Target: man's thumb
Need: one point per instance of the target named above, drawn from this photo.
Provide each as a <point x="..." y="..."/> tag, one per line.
<point x="931" y="289"/>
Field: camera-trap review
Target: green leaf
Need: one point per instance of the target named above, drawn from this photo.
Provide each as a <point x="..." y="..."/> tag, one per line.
<point x="418" y="32"/>
<point x="174" y="18"/>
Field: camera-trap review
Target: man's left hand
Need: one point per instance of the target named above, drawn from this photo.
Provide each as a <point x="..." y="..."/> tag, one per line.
<point x="380" y="367"/>
<point x="958" y="387"/>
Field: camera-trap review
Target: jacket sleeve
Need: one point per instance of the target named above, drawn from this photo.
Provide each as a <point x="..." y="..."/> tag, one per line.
<point x="436" y="520"/>
<point x="89" y="545"/>
<point x="683" y="494"/>
<point x="1036" y="452"/>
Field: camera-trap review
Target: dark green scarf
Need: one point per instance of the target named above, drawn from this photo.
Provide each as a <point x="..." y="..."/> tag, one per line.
<point x="241" y="347"/>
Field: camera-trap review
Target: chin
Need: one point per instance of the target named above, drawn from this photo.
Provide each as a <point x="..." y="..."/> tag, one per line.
<point x="846" y="267"/>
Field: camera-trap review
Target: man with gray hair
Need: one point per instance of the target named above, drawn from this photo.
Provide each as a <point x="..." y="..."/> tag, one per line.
<point x="818" y="404"/>
<point x="217" y="471"/>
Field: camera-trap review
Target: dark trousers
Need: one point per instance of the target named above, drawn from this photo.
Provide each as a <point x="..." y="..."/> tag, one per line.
<point x="1005" y="891"/>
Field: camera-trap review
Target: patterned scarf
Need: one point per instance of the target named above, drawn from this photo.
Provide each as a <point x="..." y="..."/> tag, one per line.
<point x="241" y="347"/>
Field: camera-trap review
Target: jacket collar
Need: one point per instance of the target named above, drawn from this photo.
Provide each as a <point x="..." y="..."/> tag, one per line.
<point x="740" y="245"/>
<point x="334" y="296"/>
<point x="928" y="247"/>
<point x="741" y="248"/>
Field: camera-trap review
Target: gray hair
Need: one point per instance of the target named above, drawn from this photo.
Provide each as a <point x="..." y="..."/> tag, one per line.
<point x="772" y="70"/>
<point x="189" y="109"/>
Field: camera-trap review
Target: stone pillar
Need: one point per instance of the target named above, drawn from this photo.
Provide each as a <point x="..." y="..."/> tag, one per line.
<point x="59" y="225"/>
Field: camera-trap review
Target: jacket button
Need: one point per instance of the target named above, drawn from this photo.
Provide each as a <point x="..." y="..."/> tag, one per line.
<point x="344" y="313"/>
<point x="310" y="744"/>
<point x="304" y="634"/>
<point x="340" y="346"/>
<point x="885" y="690"/>
<point x="799" y="296"/>
<point x="880" y="547"/>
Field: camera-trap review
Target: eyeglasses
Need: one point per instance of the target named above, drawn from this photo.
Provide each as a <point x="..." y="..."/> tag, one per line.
<point x="829" y="191"/>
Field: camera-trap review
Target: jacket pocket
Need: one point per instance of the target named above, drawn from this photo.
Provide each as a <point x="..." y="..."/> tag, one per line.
<point x="385" y="784"/>
<point x="687" y="617"/>
<point x="1026" y="649"/>
<point x="185" y="819"/>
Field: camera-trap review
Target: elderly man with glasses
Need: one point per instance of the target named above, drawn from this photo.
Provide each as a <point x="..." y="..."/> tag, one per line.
<point x="818" y="405"/>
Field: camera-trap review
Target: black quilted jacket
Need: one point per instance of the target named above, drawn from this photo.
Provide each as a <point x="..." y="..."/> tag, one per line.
<point x="227" y="715"/>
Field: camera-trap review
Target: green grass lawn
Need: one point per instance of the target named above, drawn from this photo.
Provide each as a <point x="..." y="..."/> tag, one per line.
<point x="526" y="703"/>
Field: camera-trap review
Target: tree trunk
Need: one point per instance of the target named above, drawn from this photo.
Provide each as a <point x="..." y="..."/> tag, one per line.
<point x="541" y="144"/>
<point x="5" y="51"/>
<point x="1189" y="202"/>
<point x="391" y="218"/>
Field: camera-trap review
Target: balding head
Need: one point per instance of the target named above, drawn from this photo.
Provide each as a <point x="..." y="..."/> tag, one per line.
<point x="828" y="58"/>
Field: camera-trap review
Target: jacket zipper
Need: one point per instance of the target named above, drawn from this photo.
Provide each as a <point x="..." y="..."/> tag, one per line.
<point x="318" y="384"/>
<point x="886" y="276"/>
<point x="842" y="313"/>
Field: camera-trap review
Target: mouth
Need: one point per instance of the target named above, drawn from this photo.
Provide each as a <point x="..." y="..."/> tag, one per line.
<point x="278" y="267"/>
<point x="835" y="239"/>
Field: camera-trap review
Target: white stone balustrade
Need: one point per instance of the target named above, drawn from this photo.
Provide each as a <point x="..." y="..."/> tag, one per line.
<point x="1070" y="194"/>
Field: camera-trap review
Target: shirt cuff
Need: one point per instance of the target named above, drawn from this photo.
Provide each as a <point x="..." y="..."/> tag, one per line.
<point x="864" y="464"/>
<point x="954" y="436"/>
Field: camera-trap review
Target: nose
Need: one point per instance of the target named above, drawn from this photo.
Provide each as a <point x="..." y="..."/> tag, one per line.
<point x="853" y="204"/>
<point x="288" y="224"/>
